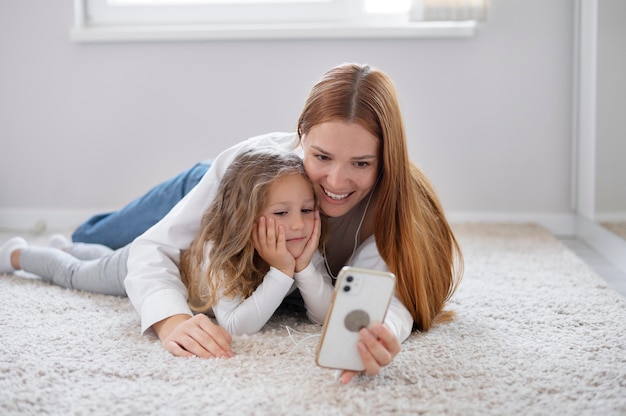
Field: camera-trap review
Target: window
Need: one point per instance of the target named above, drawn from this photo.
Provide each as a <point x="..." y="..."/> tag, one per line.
<point x="256" y="19"/>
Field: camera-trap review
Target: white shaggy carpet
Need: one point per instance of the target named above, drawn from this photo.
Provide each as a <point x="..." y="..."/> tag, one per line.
<point x="537" y="333"/>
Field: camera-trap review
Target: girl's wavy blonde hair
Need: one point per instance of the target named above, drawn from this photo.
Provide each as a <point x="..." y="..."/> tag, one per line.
<point x="411" y="231"/>
<point x="232" y="265"/>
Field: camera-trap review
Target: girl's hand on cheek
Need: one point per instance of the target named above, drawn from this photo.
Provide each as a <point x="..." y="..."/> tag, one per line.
<point x="305" y="258"/>
<point x="271" y="245"/>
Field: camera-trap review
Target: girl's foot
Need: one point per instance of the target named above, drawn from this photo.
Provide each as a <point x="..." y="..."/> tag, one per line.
<point x="58" y="241"/>
<point x="5" y="253"/>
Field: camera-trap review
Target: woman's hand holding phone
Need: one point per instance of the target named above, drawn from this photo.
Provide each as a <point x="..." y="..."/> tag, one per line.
<point x="377" y="347"/>
<point x="353" y="337"/>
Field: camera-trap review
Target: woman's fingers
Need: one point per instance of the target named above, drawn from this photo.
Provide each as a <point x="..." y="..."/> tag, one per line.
<point x="218" y="335"/>
<point x="388" y="339"/>
<point x="175" y="349"/>
<point x="208" y="340"/>
<point x="377" y="348"/>
<point x="200" y="337"/>
<point x="346" y="376"/>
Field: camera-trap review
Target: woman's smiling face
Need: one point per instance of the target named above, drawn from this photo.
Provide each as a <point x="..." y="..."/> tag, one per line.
<point x="342" y="160"/>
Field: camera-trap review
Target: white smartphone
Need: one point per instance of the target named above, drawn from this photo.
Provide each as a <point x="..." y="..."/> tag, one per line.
<point x="361" y="296"/>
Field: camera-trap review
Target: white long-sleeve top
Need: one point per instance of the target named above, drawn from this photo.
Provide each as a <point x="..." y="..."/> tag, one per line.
<point x="153" y="282"/>
<point x="247" y="316"/>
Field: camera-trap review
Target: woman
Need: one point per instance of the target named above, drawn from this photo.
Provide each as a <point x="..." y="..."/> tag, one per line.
<point x="383" y="214"/>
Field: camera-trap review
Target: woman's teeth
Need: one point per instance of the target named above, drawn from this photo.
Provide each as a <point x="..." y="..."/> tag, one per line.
<point x="336" y="196"/>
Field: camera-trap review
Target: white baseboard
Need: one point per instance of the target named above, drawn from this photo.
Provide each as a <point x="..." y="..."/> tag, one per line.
<point x="611" y="246"/>
<point x="611" y="216"/>
<point x="560" y="224"/>
<point x="39" y="220"/>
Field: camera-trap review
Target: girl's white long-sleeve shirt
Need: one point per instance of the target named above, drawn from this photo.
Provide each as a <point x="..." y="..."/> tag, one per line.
<point x="247" y="316"/>
<point x="153" y="283"/>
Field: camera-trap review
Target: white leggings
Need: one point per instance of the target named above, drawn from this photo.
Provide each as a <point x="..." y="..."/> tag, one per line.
<point x="89" y="267"/>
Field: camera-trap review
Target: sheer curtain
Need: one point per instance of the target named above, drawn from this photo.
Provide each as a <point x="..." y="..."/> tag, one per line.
<point x="449" y="10"/>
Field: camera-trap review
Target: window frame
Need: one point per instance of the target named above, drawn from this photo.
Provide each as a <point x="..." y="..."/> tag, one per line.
<point x="95" y="21"/>
<point x="100" y="12"/>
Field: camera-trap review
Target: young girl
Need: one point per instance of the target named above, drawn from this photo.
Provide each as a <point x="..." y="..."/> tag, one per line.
<point x="260" y="234"/>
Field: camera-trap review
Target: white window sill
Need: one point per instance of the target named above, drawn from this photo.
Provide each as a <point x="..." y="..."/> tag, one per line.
<point x="276" y="31"/>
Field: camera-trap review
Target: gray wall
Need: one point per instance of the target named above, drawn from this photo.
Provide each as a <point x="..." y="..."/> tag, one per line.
<point x="90" y="126"/>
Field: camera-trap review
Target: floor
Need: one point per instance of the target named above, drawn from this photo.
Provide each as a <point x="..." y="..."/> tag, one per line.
<point x="613" y="276"/>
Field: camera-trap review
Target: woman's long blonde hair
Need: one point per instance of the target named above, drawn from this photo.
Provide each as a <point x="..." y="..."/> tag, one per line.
<point x="233" y="267"/>
<point x="411" y="231"/>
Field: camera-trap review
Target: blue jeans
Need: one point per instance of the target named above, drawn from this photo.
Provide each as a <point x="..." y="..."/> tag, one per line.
<point x="119" y="228"/>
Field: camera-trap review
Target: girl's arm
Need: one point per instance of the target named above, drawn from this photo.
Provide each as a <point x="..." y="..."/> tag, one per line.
<point x="316" y="288"/>
<point x="247" y="316"/>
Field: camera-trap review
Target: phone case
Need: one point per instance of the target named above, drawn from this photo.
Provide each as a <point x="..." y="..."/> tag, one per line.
<point x="361" y="296"/>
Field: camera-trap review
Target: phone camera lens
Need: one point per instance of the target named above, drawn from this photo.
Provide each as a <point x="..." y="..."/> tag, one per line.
<point x="349" y="279"/>
<point x="346" y="288"/>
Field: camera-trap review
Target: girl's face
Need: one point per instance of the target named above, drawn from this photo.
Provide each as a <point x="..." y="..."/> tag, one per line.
<point x="342" y="160"/>
<point x="291" y="203"/>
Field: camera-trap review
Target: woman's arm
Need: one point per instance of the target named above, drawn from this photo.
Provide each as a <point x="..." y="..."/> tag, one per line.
<point x="379" y="343"/>
<point x="398" y="317"/>
<point x="187" y="336"/>
<point x="153" y="283"/>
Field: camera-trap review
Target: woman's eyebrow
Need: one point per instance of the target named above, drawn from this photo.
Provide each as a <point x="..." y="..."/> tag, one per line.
<point x="319" y="149"/>
<point x="364" y="157"/>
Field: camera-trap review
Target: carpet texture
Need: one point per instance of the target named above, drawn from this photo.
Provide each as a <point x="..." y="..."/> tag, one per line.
<point x="537" y="333"/>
